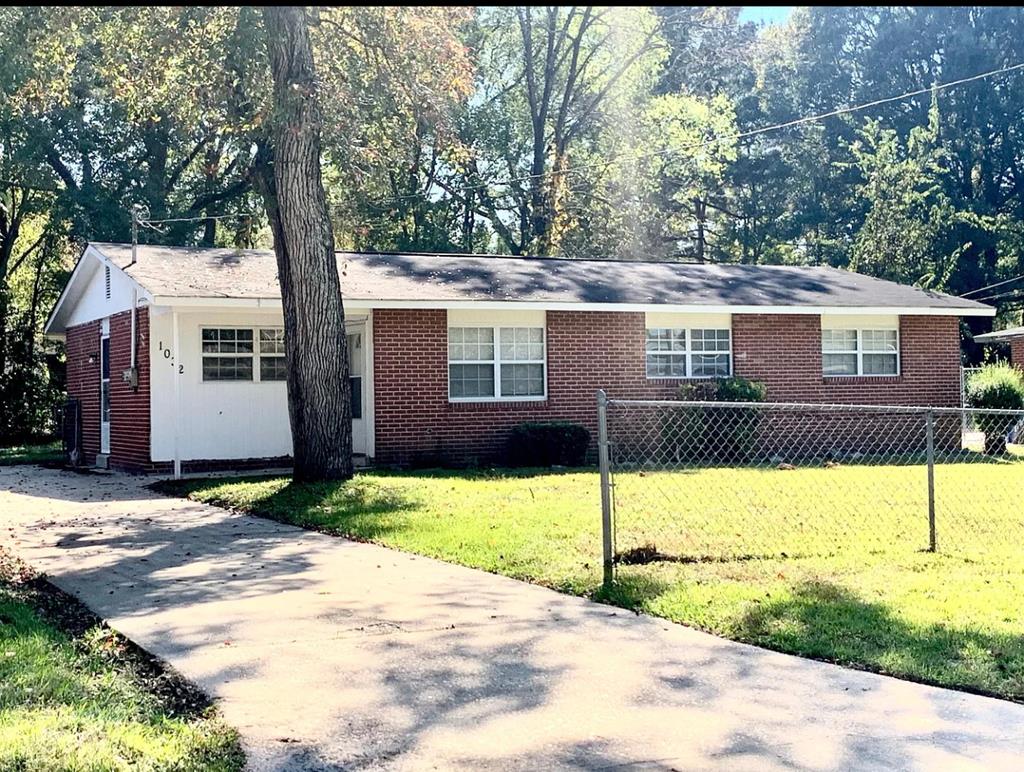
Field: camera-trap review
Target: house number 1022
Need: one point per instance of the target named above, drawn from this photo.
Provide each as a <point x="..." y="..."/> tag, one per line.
<point x="167" y="355"/>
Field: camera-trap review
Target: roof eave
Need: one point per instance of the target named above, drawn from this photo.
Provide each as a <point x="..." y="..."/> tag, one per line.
<point x="540" y="305"/>
<point x="89" y="251"/>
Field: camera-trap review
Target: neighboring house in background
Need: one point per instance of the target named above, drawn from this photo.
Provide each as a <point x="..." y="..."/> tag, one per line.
<point x="1014" y="336"/>
<point x="448" y="352"/>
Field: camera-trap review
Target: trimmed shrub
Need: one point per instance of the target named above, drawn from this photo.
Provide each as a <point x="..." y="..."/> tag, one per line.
<point x="723" y="434"/>
<point x="996" y="387"/>
<point x="548" y="444"/>
<point x="741" y="390"/>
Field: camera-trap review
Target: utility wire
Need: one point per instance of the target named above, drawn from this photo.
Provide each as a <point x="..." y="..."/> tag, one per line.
<point x="1011" y="293"/>
<point x="736" y="135"/>
<point x="993" y="286"/>
<point x="148" y="221"/>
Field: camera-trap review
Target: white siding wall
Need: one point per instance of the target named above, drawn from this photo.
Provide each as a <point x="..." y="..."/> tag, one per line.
<point x="219" y="419"/>
<point x="91" y="302"/>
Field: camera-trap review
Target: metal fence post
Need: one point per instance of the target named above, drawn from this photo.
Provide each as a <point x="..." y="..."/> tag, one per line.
<point x="604" y="465"/>
<point x="930" y="432"/>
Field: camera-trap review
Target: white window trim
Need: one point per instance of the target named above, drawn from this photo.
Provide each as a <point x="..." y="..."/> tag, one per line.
<point x="254" y="354"/>
<point x="689" y="356"/>
<point x="497" y="362"/>
<point x="860" y="352"/>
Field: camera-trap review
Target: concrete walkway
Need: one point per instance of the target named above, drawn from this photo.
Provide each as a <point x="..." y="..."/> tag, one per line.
<point x="328" y="654"/>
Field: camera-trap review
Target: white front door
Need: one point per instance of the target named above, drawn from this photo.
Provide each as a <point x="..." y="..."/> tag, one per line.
<point x="105" y="387"/>
<point x="356" y="334"/>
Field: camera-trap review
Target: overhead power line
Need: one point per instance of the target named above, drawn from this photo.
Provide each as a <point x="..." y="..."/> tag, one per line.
<point x="735" y="135"/>
<point x="146" y="222"/>
<point x="152" y="223"/>
<point x="1001" y="296"/>
<point x="993" y="286"/>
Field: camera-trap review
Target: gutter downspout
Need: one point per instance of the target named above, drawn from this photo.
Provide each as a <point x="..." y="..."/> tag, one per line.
<point x="177" y="396"/>
<point x="135" y="299"/>
<point x="135" y="313"/>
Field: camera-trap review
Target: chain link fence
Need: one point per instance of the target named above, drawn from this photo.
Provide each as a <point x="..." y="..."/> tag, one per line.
<point x="966" y="374"/>
<point x="716" y="481"/>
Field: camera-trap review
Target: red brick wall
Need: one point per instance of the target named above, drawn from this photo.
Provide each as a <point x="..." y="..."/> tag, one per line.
<point x="416" y="422"/>
<point x="129" y="410"/>
<point x="784" y="352"/>
<point x="83" y="382"/>
<point x="1017" y="352"/>
<point x="591" y="350"/>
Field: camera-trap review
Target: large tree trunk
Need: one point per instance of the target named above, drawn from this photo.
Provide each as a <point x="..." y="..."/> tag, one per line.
<point x="314" y="320"/>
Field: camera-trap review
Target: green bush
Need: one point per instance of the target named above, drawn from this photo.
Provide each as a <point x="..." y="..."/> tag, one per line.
<point x="548" y="444"/>
<point x="741" y="390"/>
<point x="996" y="387"/>
<point x="725" y="434"/>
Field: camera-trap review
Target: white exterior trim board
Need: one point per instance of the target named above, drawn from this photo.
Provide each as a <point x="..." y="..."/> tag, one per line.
<point x="511" y="305"/>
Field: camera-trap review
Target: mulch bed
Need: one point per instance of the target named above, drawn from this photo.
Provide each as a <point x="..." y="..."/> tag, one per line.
<point x="178" y="697"/>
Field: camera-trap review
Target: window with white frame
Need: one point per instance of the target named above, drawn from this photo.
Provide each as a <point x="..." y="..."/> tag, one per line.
<point x="853" y="352"/>
<point x="243" y="354"/>
<point x="688" y="353"/>
<point x="227" y="354"/>
<point x="272" y="367"/>
<point x="496" y="363"/>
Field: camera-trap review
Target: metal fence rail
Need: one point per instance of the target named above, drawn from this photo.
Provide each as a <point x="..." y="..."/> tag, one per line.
<point x="720" y="481"/>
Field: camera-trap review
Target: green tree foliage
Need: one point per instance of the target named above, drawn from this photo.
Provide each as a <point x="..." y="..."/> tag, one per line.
<point x="577" y="131"/>
<point x="104" y="108"/>
<point x="909" y="220"/>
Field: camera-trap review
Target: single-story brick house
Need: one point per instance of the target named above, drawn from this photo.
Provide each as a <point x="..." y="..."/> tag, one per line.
<point x="177" y="356"/>
<point x="1014" y="336"/>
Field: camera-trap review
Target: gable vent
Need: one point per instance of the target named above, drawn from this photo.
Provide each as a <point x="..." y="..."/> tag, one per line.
<point x="106" y="276"/>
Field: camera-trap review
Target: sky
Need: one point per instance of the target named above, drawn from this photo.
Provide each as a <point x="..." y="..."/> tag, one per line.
<point x="765" y="14"/>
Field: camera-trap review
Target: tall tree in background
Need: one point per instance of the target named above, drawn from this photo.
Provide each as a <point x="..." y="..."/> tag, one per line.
<point x="552" y="81"/>
<point x="314" y="319"/>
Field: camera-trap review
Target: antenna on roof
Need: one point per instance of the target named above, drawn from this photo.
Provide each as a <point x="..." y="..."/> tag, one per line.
<point x="137" y="212"/>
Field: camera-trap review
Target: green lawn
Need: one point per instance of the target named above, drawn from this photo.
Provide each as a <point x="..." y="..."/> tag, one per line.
<point x="30" y="454"/>
<point x="80" y="703"/>
<point x="826" y="563"/>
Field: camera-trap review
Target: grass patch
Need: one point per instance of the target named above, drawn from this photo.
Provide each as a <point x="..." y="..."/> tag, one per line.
<point x="74" y="695"/>
<point x="836" y="570"/>
<point x="46" y="453"/>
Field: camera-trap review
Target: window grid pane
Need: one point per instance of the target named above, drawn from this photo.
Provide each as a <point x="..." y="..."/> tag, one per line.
<point x="227" y="341"/>
<point x="860" y="352"/>
<point x="711" y="353"/>
<point x="232" y="354"/>
<point x="710" y="365"/>
<point x="838" y="341"/>
<point x="470" y="344"/>
<point x="272" y="340"/>
<point x="879" y="364"/>
<point x="272" y="368"/>
<point x="470" y="380"/>
<point x="522" y="344"/>
<point x="839" y="364"/>
<point x="522" y="380"/>
<point x="666" y="365"/>
<point x="229" y="368"/>
<point x="664" y="339"/>
<point x="879" y="341"/>
<point x="709" y="340"/>
<point x="476" y="355"/>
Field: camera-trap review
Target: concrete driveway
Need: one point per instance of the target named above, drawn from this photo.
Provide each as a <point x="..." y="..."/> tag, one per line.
<point x="327" y="654"/>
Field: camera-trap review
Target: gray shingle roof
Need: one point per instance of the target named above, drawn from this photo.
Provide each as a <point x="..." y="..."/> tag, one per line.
<point x="1000" y="335"/>
<point x="179" y="272"/>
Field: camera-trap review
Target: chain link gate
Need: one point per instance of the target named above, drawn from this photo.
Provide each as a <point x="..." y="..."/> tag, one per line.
<point x="722" y="481"/>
